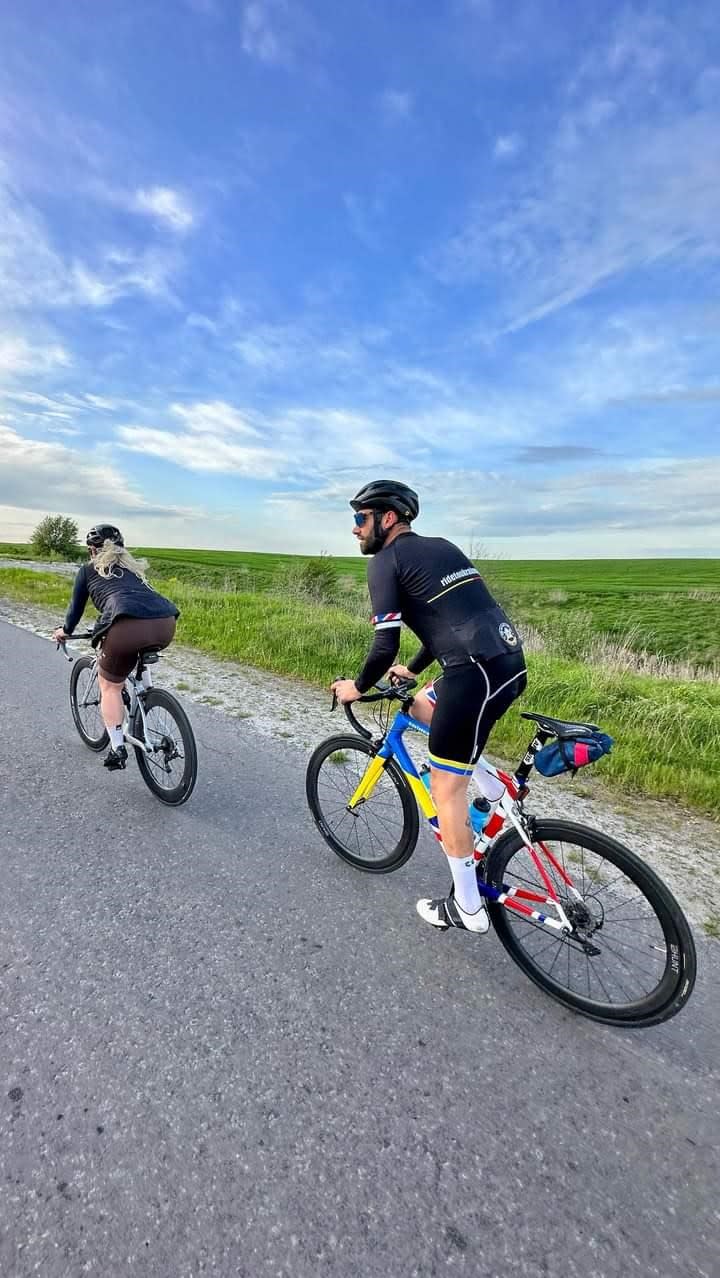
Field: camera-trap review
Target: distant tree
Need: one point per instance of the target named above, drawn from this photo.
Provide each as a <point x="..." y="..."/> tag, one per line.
<point x="56" y="534"/>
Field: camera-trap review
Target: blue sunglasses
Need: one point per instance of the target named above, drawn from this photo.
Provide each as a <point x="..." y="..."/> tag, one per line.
<point x="359" y="519"/>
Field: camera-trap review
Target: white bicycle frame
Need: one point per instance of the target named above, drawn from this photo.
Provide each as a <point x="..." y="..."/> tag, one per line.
<point x="138" y="688"/>
<point x="136" y="694"/>
<point x="507" y="805"/>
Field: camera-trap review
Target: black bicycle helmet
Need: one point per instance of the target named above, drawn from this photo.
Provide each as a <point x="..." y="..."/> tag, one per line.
<point x="100" y="533"/>
<point x="388" y="494"/>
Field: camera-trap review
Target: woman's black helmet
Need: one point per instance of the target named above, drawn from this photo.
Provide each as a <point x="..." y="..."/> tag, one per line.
<point x="388" y="494"/>
<point x="100" y="533"/>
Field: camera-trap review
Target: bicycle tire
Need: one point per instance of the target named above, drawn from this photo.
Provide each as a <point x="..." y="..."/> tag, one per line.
<point x="167" y="743"/>
<point x="670" y="930"/>
<point x="77" y="697"/>
<point x="327" y="809"/>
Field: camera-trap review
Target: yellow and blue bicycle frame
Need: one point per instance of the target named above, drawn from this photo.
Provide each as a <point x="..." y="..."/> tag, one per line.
<point x="516" y="898"/>
<point x="393" y="747"/>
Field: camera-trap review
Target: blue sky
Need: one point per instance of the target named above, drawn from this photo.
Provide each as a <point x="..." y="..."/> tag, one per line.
<point x="253" y="254"/>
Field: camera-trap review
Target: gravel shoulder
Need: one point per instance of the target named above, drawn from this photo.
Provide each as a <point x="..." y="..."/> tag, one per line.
<point x="682" y="846"/>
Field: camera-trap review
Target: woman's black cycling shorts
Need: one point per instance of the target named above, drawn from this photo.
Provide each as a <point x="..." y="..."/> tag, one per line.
<point x="126" y="639"/>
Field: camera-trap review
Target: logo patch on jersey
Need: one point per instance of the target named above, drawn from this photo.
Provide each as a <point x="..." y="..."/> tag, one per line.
<point x="458" y="576"/>
<point x="507" y="634"/>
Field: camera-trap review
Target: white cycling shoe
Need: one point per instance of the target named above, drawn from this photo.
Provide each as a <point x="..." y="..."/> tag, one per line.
<point x="445" y="913"/>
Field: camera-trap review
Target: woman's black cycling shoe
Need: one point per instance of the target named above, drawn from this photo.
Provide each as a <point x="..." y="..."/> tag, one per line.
<point x="115" y="760"/>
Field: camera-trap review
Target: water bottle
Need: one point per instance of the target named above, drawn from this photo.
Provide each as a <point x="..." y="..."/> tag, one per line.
<point x="479" y="814"/>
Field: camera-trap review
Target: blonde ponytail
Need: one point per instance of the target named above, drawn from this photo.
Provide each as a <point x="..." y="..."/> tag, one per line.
<point x="113" y="557"/>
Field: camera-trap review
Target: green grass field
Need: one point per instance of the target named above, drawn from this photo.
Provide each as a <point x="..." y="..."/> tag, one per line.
<point x="669" y="607"/>
<point x="667" y="730"/>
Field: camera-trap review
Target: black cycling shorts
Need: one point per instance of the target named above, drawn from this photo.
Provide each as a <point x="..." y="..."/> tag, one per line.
<point x="125" y="640"/>
<point x="469" y="699"/>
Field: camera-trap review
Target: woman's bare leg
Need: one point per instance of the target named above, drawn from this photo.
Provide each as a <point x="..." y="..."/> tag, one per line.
<point x="111" y="702"/>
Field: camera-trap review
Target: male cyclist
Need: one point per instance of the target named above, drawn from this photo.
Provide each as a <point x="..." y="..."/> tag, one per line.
<point x="133" y="617"/>
<point x="433" y="587"/>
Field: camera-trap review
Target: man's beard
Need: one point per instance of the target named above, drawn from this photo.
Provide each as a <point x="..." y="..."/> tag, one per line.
<point x="372" y="543"/>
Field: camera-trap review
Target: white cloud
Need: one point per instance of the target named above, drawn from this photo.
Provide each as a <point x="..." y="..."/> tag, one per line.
<point x="364" y="216"/>
<point x="707" y="87"/>
<point x="214" y="418"/>
<point x="261" y="38"/>
<point x="641" y="44"/>
<point x="42" y="475"/>
<point x="53" y="413"/>
<point x="33" y="274"/>
<point x="269" y="349"/>
<point x="627" y="179"/>
<point x="168" y="207"/>
<point x="20" y="356"/>
<point x="396" y="105"/>
<point x="194" y="320"/>
<point x="100" y="401"/>
<point x="215" y="437"/>
<point x="30" y="270"/>
<point x="210" y="454"/>
<point x="483" y="8"/>
<point x="309" y="345"/>
<point x="33" y="398"/>
<point x="649" y="192"/>
<point x="319" y="441"/>
<point x="507" y="145"/>
<point x="120" y="273"/>
<point x="648" y="502"/>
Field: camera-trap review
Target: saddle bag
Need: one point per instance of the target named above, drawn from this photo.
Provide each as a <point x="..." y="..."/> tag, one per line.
<point x="572" y="753"/>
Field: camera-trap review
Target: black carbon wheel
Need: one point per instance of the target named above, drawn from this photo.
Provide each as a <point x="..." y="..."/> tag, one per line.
<point x="85" y="703"/>
<point x="171" y="770"/>
<point x="630" y="958"/>
<point x="381" y="833"/>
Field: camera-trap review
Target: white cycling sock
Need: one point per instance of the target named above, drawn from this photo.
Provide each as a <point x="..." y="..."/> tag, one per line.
<point x="467" y="896"/>
<point x="116" y="736"/>
<point x="490" y="787"/>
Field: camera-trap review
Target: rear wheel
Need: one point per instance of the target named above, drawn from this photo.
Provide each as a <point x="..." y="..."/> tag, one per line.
<point x="170" y="770"/>
<point x="85" y="703"/>
<point x="380" y="834"/>
<point x="630" y="958"/>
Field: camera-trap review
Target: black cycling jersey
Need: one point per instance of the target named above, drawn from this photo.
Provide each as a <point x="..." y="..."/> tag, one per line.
<point x="123" y="594"/>
<point x="429" y="584"/>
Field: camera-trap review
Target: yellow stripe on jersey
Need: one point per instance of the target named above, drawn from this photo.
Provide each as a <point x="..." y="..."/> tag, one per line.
<point x="466" y="582"/>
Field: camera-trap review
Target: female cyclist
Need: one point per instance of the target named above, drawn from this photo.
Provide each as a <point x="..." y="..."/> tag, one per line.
<point x="133" y="617"/>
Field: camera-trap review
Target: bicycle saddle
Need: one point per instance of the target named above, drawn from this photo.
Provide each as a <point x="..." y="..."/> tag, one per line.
<point x="149" y="655"/>
<point x="559" y="727"/>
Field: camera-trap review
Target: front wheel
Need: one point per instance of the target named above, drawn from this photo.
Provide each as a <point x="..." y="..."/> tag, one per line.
<point x="171" y="770"/>
<point x="630" y="957"/>
<point x="85" y="703"/>
<point x="378" y="835"/>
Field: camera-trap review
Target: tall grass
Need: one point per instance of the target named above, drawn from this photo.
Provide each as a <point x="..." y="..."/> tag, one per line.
<point x="667" y="730"/>
<point x="576" y="636"/>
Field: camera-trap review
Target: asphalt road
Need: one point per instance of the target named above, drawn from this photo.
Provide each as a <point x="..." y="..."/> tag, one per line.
<point x="224" y="1052"/>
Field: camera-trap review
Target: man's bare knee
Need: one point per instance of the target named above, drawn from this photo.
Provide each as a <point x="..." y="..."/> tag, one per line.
<point x="422" y="708"/>
<point x="446" y="785"/>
